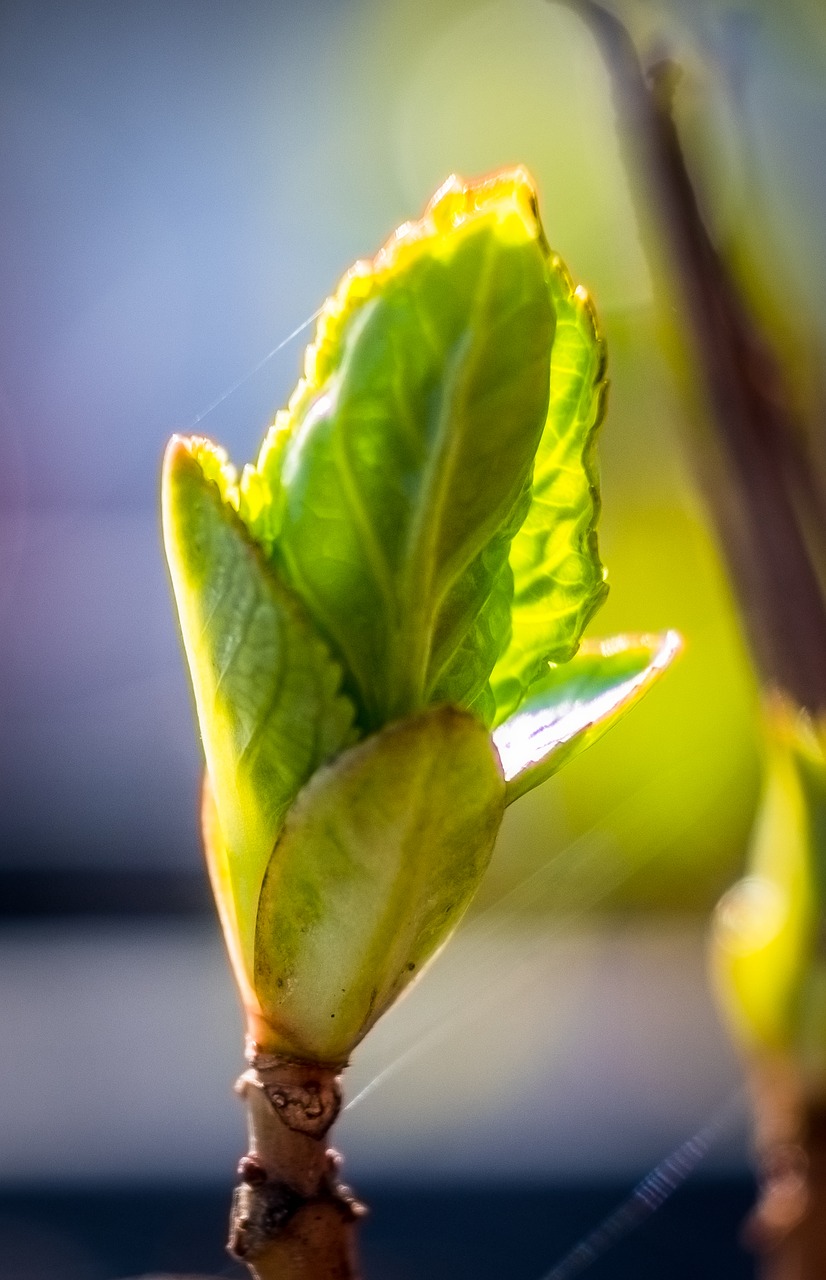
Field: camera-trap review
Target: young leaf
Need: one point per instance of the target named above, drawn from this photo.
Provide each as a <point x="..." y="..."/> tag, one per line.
<point x="570" y="706"/>
<point x="266" y="689"/>
<point x="470" y="635"/>
<point x="374" y="867"/>
<point x="409" y="446"/>
<point x="559" y="580"/>
<point x="767" y="947"/>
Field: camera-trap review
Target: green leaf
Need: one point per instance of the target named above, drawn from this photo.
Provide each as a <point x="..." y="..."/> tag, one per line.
<point x="559" y="580"/>
<point x="400" y="472"/>
<point x="266" y="689"/>
<point x="469" y="636"/>
<point x="767" y="945"/>
<point x="375" y="866"/>
<point x="570" y="706"/>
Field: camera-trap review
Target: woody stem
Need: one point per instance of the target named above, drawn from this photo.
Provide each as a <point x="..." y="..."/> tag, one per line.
<point x="787" y="1229"/>
<point x="291" y="1219"/>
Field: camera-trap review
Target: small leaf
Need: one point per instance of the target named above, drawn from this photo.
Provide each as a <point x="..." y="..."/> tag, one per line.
<point x="409" y="446"/>
<point x="266" y="689"/>
<point x="571" y="706"/>
<point x="375" y="866"/>
<point x="767" y="945"/>
<point x="559" y="580"/>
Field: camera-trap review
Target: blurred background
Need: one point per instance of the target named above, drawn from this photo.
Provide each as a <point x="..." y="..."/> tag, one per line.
<point x="183" y="182"/>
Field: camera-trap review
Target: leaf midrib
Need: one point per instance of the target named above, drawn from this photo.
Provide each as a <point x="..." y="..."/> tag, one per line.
<point x="419" y="569"/>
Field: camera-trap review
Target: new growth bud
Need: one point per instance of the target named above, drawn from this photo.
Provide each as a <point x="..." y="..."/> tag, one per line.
<point x="380" y="615"/>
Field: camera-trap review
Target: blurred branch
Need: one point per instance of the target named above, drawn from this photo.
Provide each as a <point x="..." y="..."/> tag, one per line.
<point x="788" y="1225"/>
<point x="768" y="501"/>
<point x="762" y="486"/>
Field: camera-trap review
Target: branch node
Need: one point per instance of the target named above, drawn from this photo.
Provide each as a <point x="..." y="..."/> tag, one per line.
<point x="289" y="1203"/>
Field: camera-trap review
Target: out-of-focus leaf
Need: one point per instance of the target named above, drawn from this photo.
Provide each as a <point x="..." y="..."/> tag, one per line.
<point x="570" y="706"/>
<point x="266" y="689"/>
<point x="767" y="948"/>
<point x="401" y="470"/>
<point x="559" y="580"/>
<point x="375" y="865"/>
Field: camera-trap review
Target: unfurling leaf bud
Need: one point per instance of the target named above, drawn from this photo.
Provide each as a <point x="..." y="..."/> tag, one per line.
<point x="408" y="566"/>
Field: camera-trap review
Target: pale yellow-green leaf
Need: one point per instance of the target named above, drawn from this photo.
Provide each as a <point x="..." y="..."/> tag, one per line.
<point x="375" y="865"/>
<point x="266" y="689"/>
<point x="402" y="467"/>
<point x="570" y="706"/>
<point x="559" y="580"/>
<point x="767" y="958"/>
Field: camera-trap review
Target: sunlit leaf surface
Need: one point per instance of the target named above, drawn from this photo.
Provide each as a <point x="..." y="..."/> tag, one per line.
<point x="375" y="866"/>
<point x="572" y="705"/>
<point x="412" y="557"/>
<point x="559" y="580"/>
<point x="405" y="473"/>
<point x="266" y="690"/>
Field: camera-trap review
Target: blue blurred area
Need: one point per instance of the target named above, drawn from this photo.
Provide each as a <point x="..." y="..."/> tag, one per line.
<point x="158" y="238"/>
<point x="156" y="243"/>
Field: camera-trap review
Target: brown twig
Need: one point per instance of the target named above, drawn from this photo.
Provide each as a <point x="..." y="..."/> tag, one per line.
<point x="761" y="485"/>
<point x="291" y="1218"/>
<point x="787" y="1227"/>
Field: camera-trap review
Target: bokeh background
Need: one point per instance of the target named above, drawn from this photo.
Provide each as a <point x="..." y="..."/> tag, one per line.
<point x="181" y="184"/>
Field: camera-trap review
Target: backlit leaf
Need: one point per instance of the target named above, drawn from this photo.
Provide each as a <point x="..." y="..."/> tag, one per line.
<point x="559" y="580"/>
<point x="266" y="689"/>
<point x="375" y="866"/>
<point x="570" y="706"/>
<point x="399" y="473"/>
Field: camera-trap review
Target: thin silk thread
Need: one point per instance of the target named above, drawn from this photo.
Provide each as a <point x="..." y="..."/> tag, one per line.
<point x="236" y="386"/>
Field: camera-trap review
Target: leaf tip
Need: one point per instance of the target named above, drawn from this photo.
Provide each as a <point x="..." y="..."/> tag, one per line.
<point x="177" y="459"/>
<point x="666" y="646"/>
<point x="503" y="194"/>
<point x="178" y="467"/>
<point x="197" y="459"/>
